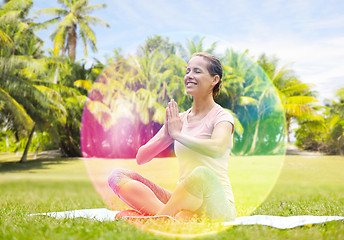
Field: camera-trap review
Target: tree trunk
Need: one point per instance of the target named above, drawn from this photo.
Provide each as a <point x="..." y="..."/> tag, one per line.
<point x="36" y="152"/>
<point x="56" y="75"/>
<point x="68" y="144"/>
<point x="17" y="139"/>
<point x="24" y="157"/>
<point x="288" y="128"/>
<point x="7" y="144"/>
<point x="340" y="141"/>
<point x="72" y="42"/>
<point x="255" y="137"/>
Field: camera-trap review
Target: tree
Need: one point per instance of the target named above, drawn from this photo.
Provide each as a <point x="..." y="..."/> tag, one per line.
<point x="329" y="138"/>
<point x="131" y="94"/>
<point x="312" y="132"/>
<point x="73" y="22"/>
<point x="70" y="77"/>
<point x="297" y="98"/>
<point x="195" y="45"/>
<point x="25" y="103"/>
<point x="249" y="94"/>
<point x="335" y="124"/>
<point x="5" y="40"/>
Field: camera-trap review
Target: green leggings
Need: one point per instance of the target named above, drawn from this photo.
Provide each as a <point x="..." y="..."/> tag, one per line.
<point x="204" y="184"/>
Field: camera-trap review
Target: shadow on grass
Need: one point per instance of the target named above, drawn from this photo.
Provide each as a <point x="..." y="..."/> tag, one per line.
<point x="42" y="162"/>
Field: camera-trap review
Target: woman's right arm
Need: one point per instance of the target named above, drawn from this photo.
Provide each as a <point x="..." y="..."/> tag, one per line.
<point x="154" y="146"/>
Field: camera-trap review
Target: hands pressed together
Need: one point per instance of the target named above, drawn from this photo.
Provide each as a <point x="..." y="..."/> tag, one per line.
<point x="173" y="123"/>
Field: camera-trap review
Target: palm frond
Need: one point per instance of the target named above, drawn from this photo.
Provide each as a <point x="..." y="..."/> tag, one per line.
<point x="5" y="40"/>
<point x="92" y="8"/>
<point x="47" y="23"/>
<point x="86" y="84"/>
<point x="313" y="117"/>
<point x="16" y="111"/>
<point x="299" y="100"/>
<point x="61" y="89"/>
<point x="59" y="40"/>
<point x="54" y="100"/>
<point x="297" y="110"/>
<point x="16" y="5"/>
<point x="87" y="31"/>
<point x="94" y="21"/>
<point x="333" y="121"/>
<point x="10" y="16"/>
<point x="301" y="87"/>
<point x="52" y="11"/>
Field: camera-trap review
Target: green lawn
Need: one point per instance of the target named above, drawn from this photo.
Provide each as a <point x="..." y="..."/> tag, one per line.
<point x="306" y="186"/>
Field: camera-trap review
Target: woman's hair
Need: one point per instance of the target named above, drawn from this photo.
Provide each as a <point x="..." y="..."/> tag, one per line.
<point x="214" y="68"/>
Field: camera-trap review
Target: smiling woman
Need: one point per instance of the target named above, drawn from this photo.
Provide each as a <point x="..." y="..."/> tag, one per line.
<point x="131" y="114"/>
<point x="213" y="67"/>
<point x="203" y="138"/>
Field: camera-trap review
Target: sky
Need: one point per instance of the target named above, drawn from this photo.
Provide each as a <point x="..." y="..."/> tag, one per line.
<point x="307" y="35"/>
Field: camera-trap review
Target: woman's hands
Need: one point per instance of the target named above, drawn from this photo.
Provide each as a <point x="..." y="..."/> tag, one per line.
<point x="213" y="147"/>
<point x="166" y="135"/>
<point x="173" y="122"/>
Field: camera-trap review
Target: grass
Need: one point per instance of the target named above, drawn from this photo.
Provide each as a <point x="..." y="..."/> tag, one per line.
<point x="305" y="186"/>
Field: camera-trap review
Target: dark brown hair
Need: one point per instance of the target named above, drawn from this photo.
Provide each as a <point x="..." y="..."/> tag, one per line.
<point x="214" y="68"/>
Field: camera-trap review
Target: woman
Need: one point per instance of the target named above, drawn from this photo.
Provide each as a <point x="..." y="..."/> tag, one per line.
<point x="203" y="136"/>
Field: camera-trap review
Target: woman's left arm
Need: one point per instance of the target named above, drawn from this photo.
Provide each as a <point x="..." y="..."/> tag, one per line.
<point x="213" y="147"/>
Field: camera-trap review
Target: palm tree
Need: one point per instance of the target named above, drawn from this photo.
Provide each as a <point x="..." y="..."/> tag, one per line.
<point x="195" y="45"/>
<point x="109" y="104"/>
<point x="235" y="68"/>
<point x="73" y="22"/>
<point x="134" y="91"/>
<point x="324" y="131"/>
<point x="143" y="88"/>
<point x="12" y="114"/>
<point x="297" y="98"/>
<point x="251" y="97"/>
<point x="29" y="104"/>
<point x="15" y="23"/>
<point x="335" y="124"/>
<point x="25" y="104"/>
<point x="5" y="40"/>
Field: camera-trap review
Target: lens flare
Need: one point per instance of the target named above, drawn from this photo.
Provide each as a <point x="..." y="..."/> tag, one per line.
<point x="126" y="107"/>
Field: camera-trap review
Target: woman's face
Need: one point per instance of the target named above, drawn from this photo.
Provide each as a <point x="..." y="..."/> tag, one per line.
<point x="198" y="81"/>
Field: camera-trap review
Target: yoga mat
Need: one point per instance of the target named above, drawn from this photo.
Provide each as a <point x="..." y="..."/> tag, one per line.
<point x="103" y="214"/>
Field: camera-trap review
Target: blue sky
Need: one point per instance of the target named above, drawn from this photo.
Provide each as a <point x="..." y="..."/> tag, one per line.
<point x="307" y="34"/>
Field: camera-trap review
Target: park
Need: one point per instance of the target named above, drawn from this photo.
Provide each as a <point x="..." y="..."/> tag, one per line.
<point x="67" y="121"/>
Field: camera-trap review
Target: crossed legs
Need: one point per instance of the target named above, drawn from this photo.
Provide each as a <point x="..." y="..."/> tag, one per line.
<point x="140" y="197"/>
<point x="149" y="198"/>
<point x="138" y="192"/>
<point x="200" y="193"/>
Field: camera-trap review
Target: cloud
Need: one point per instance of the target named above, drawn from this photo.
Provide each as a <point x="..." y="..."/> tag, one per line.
<point x="332" y="23"/>
<point x="319" y="62"/>
<point x="307" y="34"/>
